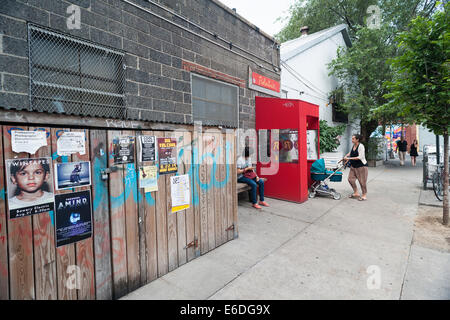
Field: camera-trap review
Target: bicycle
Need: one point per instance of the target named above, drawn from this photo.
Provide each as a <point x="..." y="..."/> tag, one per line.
<point x="438" y="182"/>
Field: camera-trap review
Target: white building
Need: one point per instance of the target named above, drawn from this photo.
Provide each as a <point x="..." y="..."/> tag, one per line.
<point x="305" y="74"/>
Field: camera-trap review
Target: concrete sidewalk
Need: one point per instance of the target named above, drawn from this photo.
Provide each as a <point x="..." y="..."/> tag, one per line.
<point x="321" y="249"/>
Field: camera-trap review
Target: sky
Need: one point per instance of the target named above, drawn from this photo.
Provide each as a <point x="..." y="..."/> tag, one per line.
<point x="262" y="13"/>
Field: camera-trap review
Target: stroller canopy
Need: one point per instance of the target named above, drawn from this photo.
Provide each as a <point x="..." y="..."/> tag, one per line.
<point x="318" y="166"/>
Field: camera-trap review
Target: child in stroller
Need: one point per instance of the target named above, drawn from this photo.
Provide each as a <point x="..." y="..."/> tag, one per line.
<point x="321" y="177"/>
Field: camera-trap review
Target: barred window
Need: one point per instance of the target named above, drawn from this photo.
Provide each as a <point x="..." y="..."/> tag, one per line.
<point x="214" y="102"/>
<point x="71" y="76"/>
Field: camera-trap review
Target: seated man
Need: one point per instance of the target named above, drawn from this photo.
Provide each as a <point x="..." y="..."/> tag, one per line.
<point x="246" y="174"/>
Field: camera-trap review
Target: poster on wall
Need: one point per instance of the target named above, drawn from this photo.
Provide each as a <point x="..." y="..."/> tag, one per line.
<point x="148" y="178"/>
<point x="311" y="145"/>
<point x="180" y="192"/>
<point x="147" y="150"/>
<point x="73" y="220"/>
<point x="72" y="174"/>
<point x="28" y="141"/>
<point x="30" y="186"/>
<point x="71" y="142"/>
<point x="167" y="154"/>
<point x="123" y="149"/>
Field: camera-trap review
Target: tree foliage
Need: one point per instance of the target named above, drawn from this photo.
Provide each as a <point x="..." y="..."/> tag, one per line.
<point x="361" y="69"/>
<point x="329" y="136"/>
<point x="420" y="89"/>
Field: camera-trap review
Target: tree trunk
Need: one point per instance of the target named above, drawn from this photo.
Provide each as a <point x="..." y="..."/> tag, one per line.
<point x="445" y="203"/>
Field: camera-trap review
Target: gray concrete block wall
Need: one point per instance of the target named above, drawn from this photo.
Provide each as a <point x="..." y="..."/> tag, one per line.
<point x="156" y="83"/>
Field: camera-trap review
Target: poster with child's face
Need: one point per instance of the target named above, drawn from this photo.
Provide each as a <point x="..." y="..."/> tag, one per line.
<point x="30" y="186"/>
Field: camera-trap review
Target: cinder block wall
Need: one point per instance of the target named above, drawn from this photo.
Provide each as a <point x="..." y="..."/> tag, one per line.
<point x="157" y="78"/>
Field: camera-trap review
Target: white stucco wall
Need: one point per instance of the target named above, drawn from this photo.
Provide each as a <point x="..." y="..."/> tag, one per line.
<point x="427" y="137"/>
<point x="312" y="66"/>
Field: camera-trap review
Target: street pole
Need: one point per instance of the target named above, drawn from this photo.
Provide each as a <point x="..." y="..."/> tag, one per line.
<point x="438" y="154"/>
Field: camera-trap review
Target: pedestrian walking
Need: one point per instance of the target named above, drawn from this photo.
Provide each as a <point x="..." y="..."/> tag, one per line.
<point x="402" y="147"/>
<point x="413" y="152"/>
<point x="358" y="168"/>
<point x="246" y="174"/>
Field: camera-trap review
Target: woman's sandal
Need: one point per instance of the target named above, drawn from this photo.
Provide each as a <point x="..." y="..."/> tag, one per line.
<point x="354" y="196"/>
<point x="362" y="199"/>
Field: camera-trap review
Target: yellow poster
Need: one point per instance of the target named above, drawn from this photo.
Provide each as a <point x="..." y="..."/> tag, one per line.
<point x="180" y="192"/>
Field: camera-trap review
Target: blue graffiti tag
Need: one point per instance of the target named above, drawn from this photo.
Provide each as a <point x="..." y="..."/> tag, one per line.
<point x="131" y="186"/>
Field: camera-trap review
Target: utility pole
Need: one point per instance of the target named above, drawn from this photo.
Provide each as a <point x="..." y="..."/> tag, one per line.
<point x="438" y="153"/>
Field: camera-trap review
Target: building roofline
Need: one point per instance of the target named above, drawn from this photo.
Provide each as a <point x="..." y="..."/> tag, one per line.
<point x="342" y="28"/>
<point x="253" y="26"/>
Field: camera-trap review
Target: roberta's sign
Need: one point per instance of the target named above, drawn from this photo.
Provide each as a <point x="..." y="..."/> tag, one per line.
<point x="263" y="84"/>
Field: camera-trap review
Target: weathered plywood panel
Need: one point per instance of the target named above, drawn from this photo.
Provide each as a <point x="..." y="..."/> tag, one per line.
<point x="44" y="240"/>
<point x="147" y="232"/>
<point x="65" y="255"/>
<point x="230" y="190"/>
<point x="100" y="210"/>
<point x="209" y="144"/>
<point x="161" y="222"/>
<point x="203" y="196"/>
<point x="172" y="246"/>
<point x="20" y="239"/>
<point x="181" y="215"/>
<point x="4" y="270"/>
<point x="132" y="225"/>
<point x="196" y="146"/>
<point x="118" y="223"/>
<point x="189" y="213"/>
<point x="84" y="248"/>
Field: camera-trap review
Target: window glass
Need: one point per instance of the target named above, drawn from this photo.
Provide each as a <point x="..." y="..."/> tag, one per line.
<point x="214" y="102"/>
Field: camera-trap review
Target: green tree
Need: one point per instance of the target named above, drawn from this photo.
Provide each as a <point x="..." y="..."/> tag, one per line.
<point x="420" y="89"/>
<point x="362" y="69"/>
<point x="322" y="14"/>
<point x="329" y="136"/>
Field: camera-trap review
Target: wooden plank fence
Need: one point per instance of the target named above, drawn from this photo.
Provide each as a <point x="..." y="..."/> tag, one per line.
<point x="136" y="238"/>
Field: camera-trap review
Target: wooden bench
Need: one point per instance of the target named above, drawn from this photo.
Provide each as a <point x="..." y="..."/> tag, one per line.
<point x="241" y="187"/>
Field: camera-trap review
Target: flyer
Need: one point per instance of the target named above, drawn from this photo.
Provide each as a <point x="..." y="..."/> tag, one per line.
<point x="71" y="142"/>
<point x="72" y="174"/>
<point x="73" y="220"/>
<point x="167" y="154"/>
<point x="311" y="144"/>
<point x="30" y="186"/>
<point x="28" y="141"/>
<point x="123" y="149"/>
<point x="147" y="151"/>
<point x="148" y="178"/>
<point x="180" y="192"/>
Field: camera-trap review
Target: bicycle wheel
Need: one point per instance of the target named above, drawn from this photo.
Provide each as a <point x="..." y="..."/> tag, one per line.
<point x="438" y="186"/>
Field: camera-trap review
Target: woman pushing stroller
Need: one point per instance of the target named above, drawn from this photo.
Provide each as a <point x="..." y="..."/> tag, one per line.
<point x="358" y="168"/>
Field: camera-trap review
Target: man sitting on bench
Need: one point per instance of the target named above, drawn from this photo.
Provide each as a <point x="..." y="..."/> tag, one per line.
<point x="246" y="174"/>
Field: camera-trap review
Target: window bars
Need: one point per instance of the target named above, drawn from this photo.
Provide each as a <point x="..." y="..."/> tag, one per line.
<point x="74" y="77"/>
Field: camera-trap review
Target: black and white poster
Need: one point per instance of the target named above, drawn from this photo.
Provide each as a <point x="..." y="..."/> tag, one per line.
<point x="123" y="149"/>
<point x="147" y="149"/>
<point x="73" y="220"/>
<point x="30" y="186"/>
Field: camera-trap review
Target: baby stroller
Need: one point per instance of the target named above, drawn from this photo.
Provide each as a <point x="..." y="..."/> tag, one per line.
<point x="321" y="177"/>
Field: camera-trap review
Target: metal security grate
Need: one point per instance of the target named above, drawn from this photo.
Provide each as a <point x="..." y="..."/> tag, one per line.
<point x="75" y="77"/>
